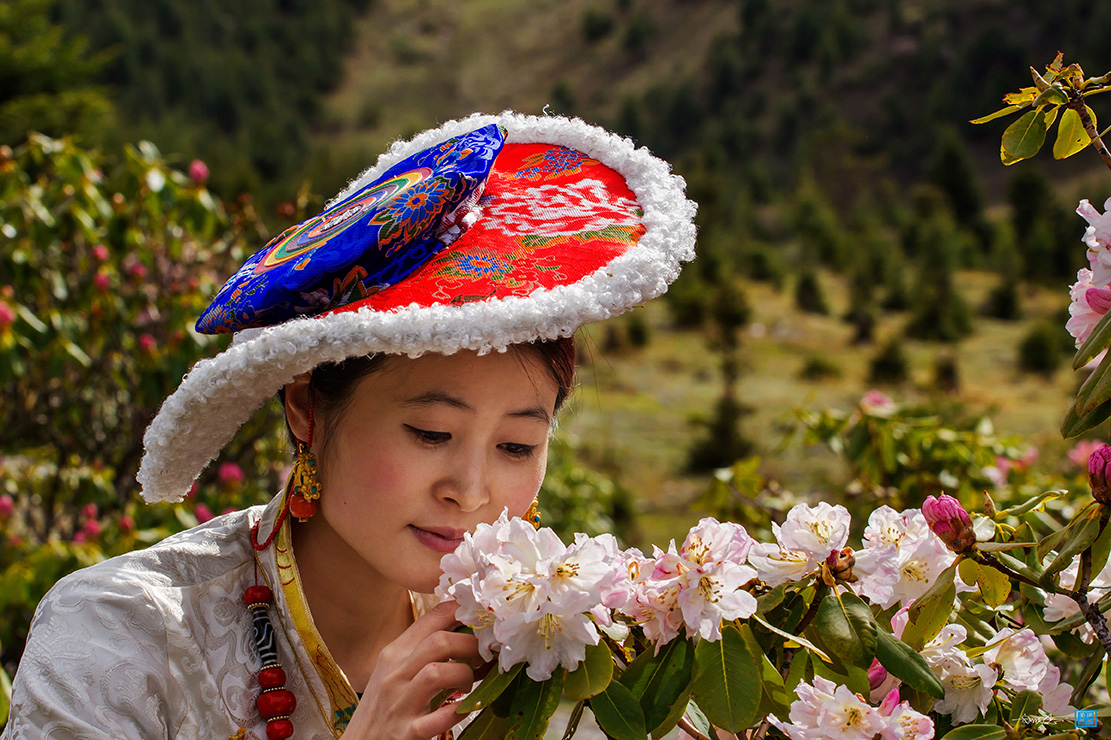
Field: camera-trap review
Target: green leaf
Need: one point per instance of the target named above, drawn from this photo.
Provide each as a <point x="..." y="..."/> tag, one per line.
<point x="847" y="628"/>
<point x="794" y="638"/>
<point x="1097" y="341"/>
<point x="727" y="680"/>
<point x="593" y="674"/>
<point x="1023" y="138"/>
<point x="976" y="732"/>
<point x="1022" y="98"/>
<point x="5" y="696"/>
<point x="1075" y="424"/>
<point x="657" y="681"/>
<point x="1082" y="532"/>
<point x="994" y="586"/>
<point x="486" y="726"/>
<point x="1030" y="504"/>
<point x="697" y="718"/>
<point x="490" y="689"/>
<point x="533" y="705"/>
<point x="1096" y="388"/>
<point x="1052" y="95"/>
<point x="905" y="663"/>
<point x="1101" y="548"/>
<point x="673" y="717"/>
<point x="930" y="611"/>
<point x="618" y="713"/>
<point x="1071" y="136"/>
<point x="1003" y="546"/>
<point x="998" y="114"/>
<point x="771" y="682"/>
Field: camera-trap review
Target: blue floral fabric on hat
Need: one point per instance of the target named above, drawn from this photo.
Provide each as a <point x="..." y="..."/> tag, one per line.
<point x="370" y="240"/>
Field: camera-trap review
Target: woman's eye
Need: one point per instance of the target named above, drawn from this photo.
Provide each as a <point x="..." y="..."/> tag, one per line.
<point x="427" y="436"/>
<point x="517" y="450"/>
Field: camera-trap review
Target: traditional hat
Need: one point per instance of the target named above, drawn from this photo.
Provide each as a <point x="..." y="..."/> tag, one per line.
<point x="486" y="232"/>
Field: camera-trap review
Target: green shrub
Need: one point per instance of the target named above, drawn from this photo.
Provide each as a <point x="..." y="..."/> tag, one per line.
<point x="819" y="368"/>
<point x="890" y="366"/>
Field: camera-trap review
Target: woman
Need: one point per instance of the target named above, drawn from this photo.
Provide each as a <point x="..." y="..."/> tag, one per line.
<point x="418" y="332"/>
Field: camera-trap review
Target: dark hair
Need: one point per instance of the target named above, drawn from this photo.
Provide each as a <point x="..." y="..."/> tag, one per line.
<point x="333" y="383"/>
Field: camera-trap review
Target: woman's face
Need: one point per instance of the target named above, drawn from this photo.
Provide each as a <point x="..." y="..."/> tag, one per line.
<point x="427" y="449"/>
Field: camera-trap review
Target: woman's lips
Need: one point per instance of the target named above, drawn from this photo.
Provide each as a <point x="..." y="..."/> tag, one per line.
<point x="440" y="539"/>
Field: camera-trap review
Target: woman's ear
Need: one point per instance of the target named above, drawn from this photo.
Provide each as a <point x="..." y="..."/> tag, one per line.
<point x="298" y="406"/>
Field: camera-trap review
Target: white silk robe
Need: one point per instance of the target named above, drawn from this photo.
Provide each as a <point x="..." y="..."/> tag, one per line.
<point x="158" y="644"/>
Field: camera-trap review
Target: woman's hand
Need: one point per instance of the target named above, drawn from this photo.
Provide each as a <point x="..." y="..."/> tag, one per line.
<point x="426" y="659"/>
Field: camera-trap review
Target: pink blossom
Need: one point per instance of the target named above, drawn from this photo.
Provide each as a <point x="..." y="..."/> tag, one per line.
<point x="102" y="281"/>
<point x="230" y="474"/>
<point x="7" y="506"/>
<point x="147" y="343"/>
<point x="137" y="270"/>
<point x="202" y="512"/>
<point x="127" y="524"/>
<point x="90" y="511"/>
<point x="1083" y="450"/>
<point x="877" y="403"/>
<point x="79" y="537"/>
<point x="198" y="172"/>
<point x="7" y="315"/>
<point x="100" y="252"/>
<point x="92" y="529"/>
<point x="950" y="522"/>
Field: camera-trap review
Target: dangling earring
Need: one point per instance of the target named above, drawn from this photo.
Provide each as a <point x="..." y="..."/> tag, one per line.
<point x="532" y="516"/>
<point x="305" y="489"/>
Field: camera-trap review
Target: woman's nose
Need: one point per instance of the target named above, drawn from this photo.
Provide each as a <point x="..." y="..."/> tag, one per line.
<point x="466" y="482"/>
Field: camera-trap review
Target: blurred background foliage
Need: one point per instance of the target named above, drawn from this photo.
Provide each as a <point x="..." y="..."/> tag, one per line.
<point x="854" y="231"/>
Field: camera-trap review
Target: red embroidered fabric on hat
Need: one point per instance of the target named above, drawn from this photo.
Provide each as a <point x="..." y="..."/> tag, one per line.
<point x="549" y="217"/>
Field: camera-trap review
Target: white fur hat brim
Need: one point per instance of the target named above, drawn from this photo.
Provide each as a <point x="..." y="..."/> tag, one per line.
<point x="220" y="394"/>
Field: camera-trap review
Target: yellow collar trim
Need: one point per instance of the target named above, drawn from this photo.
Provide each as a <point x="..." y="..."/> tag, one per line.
<point x="341" y="696"/>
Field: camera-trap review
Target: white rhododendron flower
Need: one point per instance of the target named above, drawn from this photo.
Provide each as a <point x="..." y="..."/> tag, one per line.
<point x="1059" y="606"/>
<point x="968" y="689"/>
<point x="901" y="558"/>
<point x="1020" y="656"/>
<point x="1098" y="238"/>
<point x="806" y="538"/>
<point x="1089" y="303"/>
<point x="825" y="710"/>
<point x="1055" y="694"/>
<point x="528" y="597"/>
<point x="693" y="587"/>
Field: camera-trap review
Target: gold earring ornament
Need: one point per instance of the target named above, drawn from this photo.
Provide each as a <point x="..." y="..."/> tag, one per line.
<point x="305" y="489"/>
<point x="532" y="516"/>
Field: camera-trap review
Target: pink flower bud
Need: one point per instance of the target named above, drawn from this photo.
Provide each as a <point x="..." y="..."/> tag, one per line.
<point x="91" y="529"/>
<point x="230" y="474"/>
<point x="877" y="402"/>
<point x="137" y="270"/>
<point x="889" y="703"/>
<point x="90" y="511"/>
<point x="950" y="522"/>
<point x="1099" y="467"/>
<point x="202" y="512"/>
<point x="877" y="674"/>
<point x="198" y="172"/>
<point x="127" y="524"/>
<point x="147" y="344"/>
<point x="7" y="506"/>
<point x="102" y="281"/>
<point x="79" y="537"/>
<point x="7" y="314"/>
<point x="100" y="252"/>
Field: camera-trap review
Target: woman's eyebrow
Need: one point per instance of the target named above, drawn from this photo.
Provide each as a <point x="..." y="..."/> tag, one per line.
<point x="446" y="399"/>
